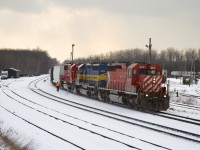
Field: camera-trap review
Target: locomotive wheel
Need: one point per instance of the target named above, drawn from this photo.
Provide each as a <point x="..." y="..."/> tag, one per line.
<point x="108" y="100"/>
<point x="133" y="102"/>
<point x="107" y="97"/>
<point x="96" y="94"/>
<point x="144" y="104"/>
<point x="125" y="100"/>
<point x="88" y="93"/>
<point x="78" y="90"/>
<point x="103" y="95"/>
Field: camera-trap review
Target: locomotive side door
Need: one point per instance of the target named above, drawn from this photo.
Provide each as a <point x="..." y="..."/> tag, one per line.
<point x="131" y="78"/>
<point x="134" y="74"/>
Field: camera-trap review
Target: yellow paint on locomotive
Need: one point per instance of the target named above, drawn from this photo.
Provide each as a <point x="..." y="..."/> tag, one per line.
<point x="92" y="77"/>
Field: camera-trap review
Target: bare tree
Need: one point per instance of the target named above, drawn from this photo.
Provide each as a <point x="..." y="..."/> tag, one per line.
<point x="28" y="61"/>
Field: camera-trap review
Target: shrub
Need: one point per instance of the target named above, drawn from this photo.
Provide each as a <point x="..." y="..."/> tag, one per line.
<point x="10" y="141"/>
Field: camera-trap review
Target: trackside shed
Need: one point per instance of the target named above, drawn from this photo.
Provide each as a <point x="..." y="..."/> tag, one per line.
<point x="13" y="73"/>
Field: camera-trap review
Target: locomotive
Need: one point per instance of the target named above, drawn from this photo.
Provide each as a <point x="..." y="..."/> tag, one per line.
<point x="138" y="85"/>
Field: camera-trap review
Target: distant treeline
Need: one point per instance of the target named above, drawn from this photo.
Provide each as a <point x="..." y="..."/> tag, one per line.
<point x="37" y="61"/>
<point x="170" y="59"/>
<point x="34" y="61"/>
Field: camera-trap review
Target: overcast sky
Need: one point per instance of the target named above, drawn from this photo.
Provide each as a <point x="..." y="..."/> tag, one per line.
<point x="98" y="26"/>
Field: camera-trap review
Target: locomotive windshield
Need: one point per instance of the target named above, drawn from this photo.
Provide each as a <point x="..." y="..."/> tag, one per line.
<point x="81" y="68"/>
<point x="158" y="73"/>
<point x="65" y="67"/>
<point x="142" y="70"/>
<point x="151" y="72"/>
<point x="95" y="68"/>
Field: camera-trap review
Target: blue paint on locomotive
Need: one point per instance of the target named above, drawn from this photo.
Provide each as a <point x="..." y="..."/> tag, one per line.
<point x="93" y="75"/>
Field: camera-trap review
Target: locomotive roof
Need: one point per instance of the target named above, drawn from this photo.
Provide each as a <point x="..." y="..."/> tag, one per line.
<point x="81" y="65"/>
<point x="133" y="65"/>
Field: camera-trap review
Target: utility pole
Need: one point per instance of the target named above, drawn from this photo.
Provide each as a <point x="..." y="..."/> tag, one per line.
<point x="149" y="46"/>
<point x="72" y="52"/>
<point x="193" y="67"/>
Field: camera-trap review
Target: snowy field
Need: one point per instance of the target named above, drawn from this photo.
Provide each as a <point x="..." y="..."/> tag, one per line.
<point x="191" y="91"/>
<point x="66" y="121"/>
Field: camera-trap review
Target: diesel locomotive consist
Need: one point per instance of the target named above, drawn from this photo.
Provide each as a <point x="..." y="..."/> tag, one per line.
<point x="139" y="85"/>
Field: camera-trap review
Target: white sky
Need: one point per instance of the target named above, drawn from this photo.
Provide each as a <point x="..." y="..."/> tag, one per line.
<point x="98" y="26"/>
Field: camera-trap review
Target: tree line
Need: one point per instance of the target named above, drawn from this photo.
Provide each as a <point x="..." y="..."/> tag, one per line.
<point x="38" y="61"/>
<point x="170" y="59"/>
<point x="34" y="61"/>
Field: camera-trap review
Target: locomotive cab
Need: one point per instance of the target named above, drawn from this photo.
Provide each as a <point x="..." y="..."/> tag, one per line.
<point x="67" y="74"/>
<point x="70" y="75"/>
<point x="74" y="72"/>
<point x="154" y="69"/>
<point x="134" y="72"/>
<point x="137" y="70"/>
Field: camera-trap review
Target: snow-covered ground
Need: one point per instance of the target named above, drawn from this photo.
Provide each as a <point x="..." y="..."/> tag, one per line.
<point x="186" y="93"/>
<point x="60" y="125"/>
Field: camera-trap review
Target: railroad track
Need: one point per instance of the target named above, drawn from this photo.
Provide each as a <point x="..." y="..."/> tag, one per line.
<point x="178" y="118"/>
<point x="198" y="91"/>
<point x="134" y="121"/>
<point x="64" y="121"/>
<point x="167" y="115"/>
<point x="43" y="129"/>
<point x="194" y="137"/>
<point x="4" y="84"/>
<point x="82" y="128"/>
<point x="161" y="114"/>
<point x="191" y="107"/>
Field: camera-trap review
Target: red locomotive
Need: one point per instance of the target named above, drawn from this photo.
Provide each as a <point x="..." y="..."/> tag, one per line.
<point x="139" y="85"/>
<point x="70" y="75"/>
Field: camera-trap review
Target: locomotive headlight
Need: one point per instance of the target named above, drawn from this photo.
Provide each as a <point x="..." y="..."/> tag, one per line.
<point x="146" y="95"/>
<point x="154" y="80"/>
<point x="165" y="95"/>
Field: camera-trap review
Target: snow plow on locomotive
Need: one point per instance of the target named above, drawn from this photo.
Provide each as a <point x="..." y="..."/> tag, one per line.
<point x="139" y="85"/>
